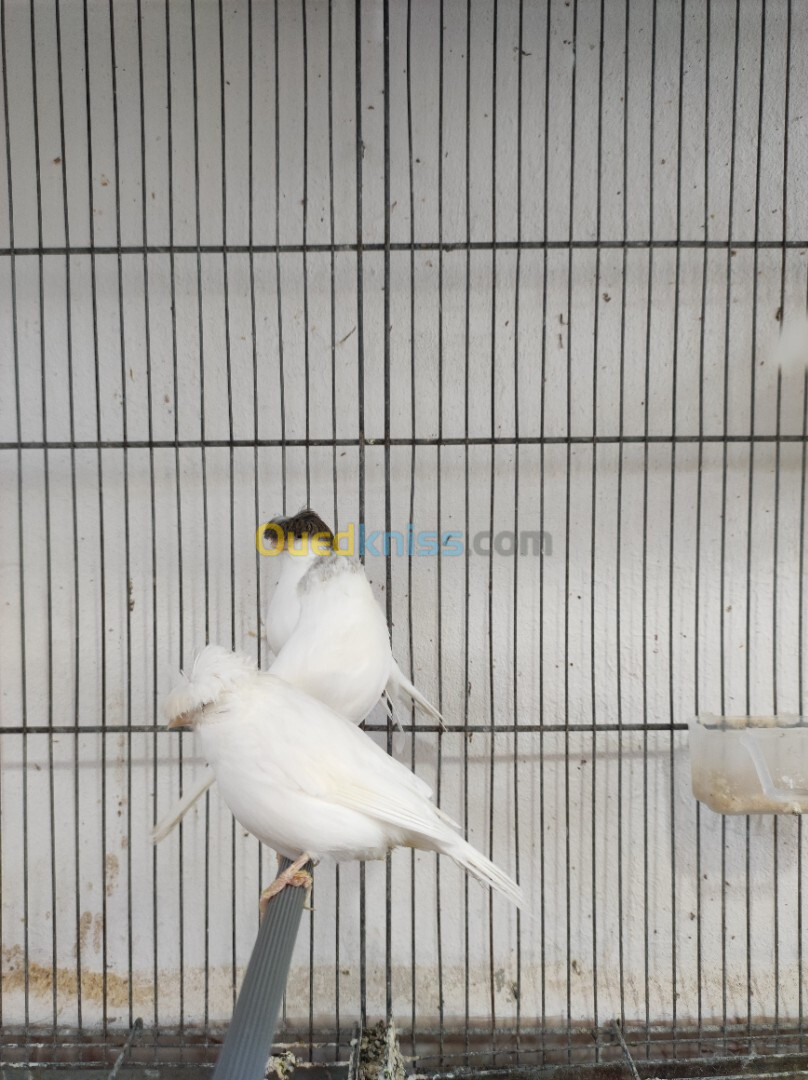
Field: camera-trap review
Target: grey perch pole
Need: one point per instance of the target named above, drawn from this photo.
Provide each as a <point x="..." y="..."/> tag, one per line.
<point x="248" y="1042"/>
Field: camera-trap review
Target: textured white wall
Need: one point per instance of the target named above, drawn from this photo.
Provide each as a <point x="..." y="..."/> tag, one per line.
<point x="681" y="333"/>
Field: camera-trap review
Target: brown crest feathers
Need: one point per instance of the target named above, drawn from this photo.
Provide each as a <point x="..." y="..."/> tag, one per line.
<point x="304" y="523"/>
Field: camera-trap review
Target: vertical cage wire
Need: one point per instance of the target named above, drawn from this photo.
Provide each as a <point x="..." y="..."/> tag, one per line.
<point x="513" y="272"/>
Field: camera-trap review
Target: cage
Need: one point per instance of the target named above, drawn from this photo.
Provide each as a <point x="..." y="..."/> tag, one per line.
<point x="504" y="280"/>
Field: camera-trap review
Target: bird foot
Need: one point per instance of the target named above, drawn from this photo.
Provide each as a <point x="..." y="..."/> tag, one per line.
<point x="293" y="875"/>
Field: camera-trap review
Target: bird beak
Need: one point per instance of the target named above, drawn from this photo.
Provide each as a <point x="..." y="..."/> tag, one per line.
<point x="181" y="721"/>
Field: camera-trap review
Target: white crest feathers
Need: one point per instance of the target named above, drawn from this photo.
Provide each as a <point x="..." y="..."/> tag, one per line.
<point x="214" y="671"/>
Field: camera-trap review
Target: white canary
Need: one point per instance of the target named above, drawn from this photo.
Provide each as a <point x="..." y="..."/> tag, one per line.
<point x="328" y="633"/>
<point x="307" y="782"/>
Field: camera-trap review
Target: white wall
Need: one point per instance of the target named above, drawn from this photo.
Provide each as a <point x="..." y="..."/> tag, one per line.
<point x="688" y="331"/>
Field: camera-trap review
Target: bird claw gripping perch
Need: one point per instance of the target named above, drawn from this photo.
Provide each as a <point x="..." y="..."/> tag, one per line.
<point x="293" y="875"/>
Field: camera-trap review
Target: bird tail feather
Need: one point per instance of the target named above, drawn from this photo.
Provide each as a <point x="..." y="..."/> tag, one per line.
<point x="392" y="711"/>
<point x="401" y="684"/>
<point x="178" y="812"/>
<point x="480" y="867"/>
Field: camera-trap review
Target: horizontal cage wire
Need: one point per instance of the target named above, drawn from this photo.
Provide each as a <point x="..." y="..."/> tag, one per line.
<point x="512" y="282"/>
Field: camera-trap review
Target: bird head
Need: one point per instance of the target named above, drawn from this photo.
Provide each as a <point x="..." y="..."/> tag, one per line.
<point x="303" y="533"/>
<point x="215" y="671"/>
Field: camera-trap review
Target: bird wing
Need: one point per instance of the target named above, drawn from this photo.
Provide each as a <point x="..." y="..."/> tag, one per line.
<point x="338" y="763"/>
